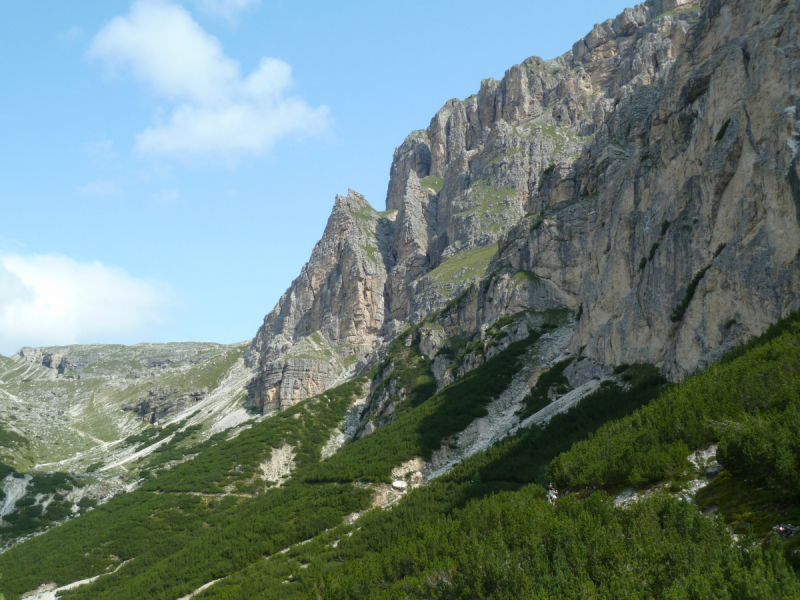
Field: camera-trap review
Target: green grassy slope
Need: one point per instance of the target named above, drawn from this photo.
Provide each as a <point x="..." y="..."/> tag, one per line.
<point x="482" y="530"/>
<point x="69" y="417"/>
<point x="753" y="394"/>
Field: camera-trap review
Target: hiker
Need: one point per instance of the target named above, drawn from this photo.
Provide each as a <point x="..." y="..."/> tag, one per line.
<point x="552" y="495"/>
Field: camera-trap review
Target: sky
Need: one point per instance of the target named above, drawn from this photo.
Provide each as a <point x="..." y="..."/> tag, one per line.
<point x="167" y="166"/>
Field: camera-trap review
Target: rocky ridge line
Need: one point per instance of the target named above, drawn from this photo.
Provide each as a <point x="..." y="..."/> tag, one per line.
<point x="457" y="187"/>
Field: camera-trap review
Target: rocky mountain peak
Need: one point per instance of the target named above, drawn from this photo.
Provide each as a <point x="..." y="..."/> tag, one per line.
<point x="599" y="175"/>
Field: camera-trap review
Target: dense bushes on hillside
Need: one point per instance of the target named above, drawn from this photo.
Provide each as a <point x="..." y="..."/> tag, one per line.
<point x="306" y="427"/>
<point x="43" y="503"/>
<point x="524" y="457"/>
<point x="419" y="432"/>
<point x="477" y="531"/>
<point x="765" y="445"/>
<point x="734" y="400"/>
<point x="178" y="539"/>
<point x="515" y="545"/>
<point x="504" y="467"/>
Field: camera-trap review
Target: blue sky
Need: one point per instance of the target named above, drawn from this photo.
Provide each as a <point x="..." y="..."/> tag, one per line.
<point x="166" y="167"/>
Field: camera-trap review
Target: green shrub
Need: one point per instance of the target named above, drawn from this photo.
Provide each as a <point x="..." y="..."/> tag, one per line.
<point x="652" y="444"/>
<point x="722" y="130"/>
<point x="680" y="310"/>
<point x="514" y="545"/>
<point x="765" y="445"/>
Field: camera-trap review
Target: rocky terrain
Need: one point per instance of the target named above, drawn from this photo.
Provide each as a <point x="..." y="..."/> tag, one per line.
<point x="643" y="180"/>
<point x="72" y="406"/>
<point x="554" y="249"/>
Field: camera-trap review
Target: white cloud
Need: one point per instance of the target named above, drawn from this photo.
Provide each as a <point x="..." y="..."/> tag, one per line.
<point x="99" y="188"/>
<point x="227" y="9"/>
<point x="54" y="300"/>
<point x="217" y="111"/>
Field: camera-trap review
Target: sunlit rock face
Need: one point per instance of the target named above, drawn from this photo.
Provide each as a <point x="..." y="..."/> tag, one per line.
<point x="662" y="146"/>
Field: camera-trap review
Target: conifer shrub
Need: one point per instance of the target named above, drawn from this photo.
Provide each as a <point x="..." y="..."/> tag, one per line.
<point x="747" y="402"/>
<point x="680" y="309"/>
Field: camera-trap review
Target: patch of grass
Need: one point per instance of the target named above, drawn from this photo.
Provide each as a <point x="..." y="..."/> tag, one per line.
<point x="11" y="439"/>
<point x="652" y="252"/>
<point x="432" y="182"/>
<point x="523" y="276"/>
<point x="681" y="11"/>
<point x="468" y="264"/>
<point x="539" y="220"/>
<point x="486" y="201"/>
<point x="561" y="136"/>
<point x="664" y="227"/>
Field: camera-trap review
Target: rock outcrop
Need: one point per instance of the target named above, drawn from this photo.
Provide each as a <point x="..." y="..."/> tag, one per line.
<point x="646" y="180"/>
<point x="161" y="402"/>
<point x="332" y="313"/>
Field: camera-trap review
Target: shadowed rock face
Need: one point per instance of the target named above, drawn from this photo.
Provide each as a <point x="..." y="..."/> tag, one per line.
<point x="692" y="176"/>
<point x="663" y="143"/>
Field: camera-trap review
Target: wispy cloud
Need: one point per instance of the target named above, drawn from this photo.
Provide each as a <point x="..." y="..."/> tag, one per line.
<point x="72" y="35"/>
<point x="216" y="111"/>
<point x="54" y="300"/>
<point x="99" y="188"/>
<point x="166" y="197"/>
<point x="226" y="9"/>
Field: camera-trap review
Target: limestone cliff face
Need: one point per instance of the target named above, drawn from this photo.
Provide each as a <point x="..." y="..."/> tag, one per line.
<point x="332" y="313"/>
<point x="695" y="179"/>
<point x="663" y="145"/>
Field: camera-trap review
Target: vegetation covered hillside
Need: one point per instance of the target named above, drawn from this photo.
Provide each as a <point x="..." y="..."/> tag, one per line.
<point x="393" y="427"/>
<point x="79" y="424"/>
<point x="482" y="530"/>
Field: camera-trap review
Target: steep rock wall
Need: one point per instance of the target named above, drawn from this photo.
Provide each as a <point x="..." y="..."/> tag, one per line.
<point x="665" y="141"/>
<point x="332" y="313"/>
<point x="690" y="181"/>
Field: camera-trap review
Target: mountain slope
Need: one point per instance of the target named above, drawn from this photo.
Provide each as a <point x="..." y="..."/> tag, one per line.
<point x="215" y="522"/>
<point x="629" y="202"/>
